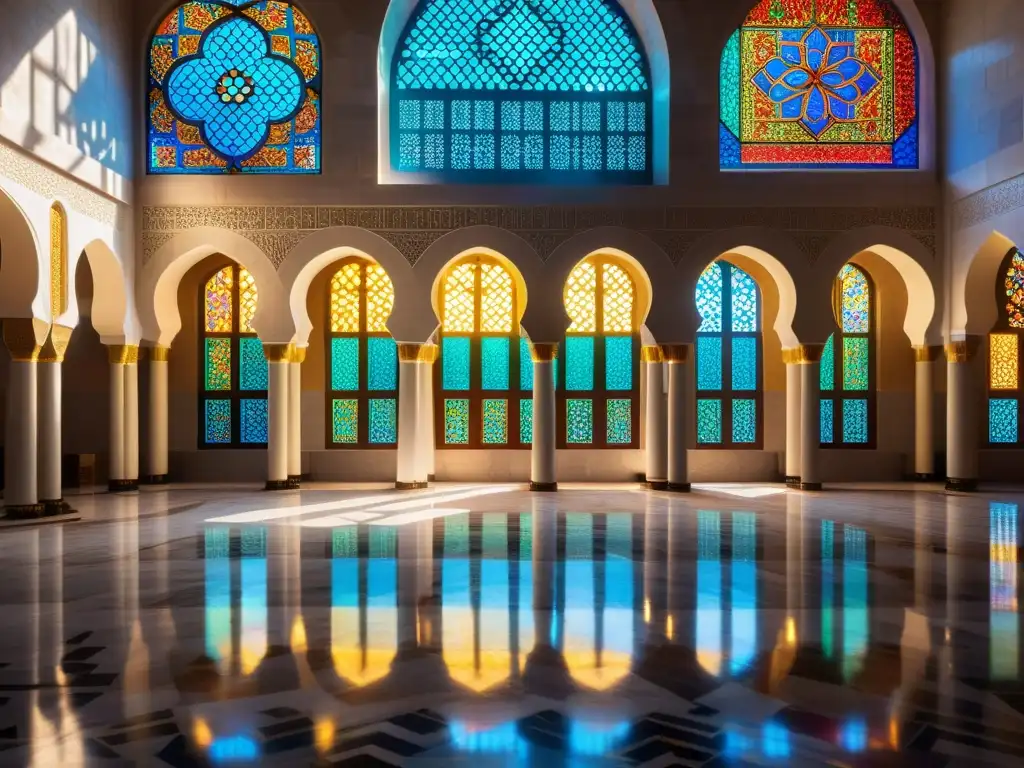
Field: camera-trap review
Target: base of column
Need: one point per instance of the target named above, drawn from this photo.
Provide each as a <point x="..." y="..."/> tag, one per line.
<point x="961" y="484"/>
<point x="656" y="485"/>
<point x="294" y="482"/>
<point x="431" y="478"/>
<point x="810" y="486"/>
<point x="277" y="485"/>
<point x="156" y="480"/>
<point x="122" y="486"/>
<point x="923" y="477"/>
<point x="792" y="481"/>
<point x="54" y="508"/>
<point x="410" y="486"/>
<point x="24" y="511"/>
<point x="679" y="487"/>
<point x="543" y="487"/>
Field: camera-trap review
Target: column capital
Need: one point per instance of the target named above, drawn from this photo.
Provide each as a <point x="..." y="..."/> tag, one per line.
<point x="21" y="337"/>
<point x="791" y="356"/>
<point x="123" y="354"/>
<point x="278" y="353"/>
<point x="676" y="353"/>
<point x="963" y="350"/>
<point x="543" y="351"/>
<point x="810" y="353"/>
<point x="417" y="352"/>
<point x="652" y="354"/>
<point x="56" y="344"/>
<point x="159" y="354"/>
<point x="927" y="354"/>
<point x="298" y="355"/>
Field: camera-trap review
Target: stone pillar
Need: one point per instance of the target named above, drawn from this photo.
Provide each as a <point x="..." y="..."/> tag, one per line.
<point x="124" y="427"/>
<point x="810" y="415"/>
<point x="51" y="360"/>
<point x="425" y="427"/>
<point x="655" y="423"/>
<point x="21" y="493"/>
<point x="543" y="450"/>
<point x="961" y="430"/>
<point x="410" y="474"/>
<point x="158" y="473"/>
<point x="677" y="356"/>
<point x="791" y="357"/>
<point x="298" y="357"/>
<point x="278" y="357"/>
<point x="131" y="418"/>
<point x="924" y="421"/>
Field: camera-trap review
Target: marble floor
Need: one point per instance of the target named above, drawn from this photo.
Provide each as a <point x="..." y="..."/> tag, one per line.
<point x="485" y="626"/>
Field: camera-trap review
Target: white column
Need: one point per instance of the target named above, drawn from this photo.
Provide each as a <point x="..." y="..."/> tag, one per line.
<point x="961" y="434"/>
<point x="655" y="424"/>
<point x="295" y="416"/>
<point x="543" y="453"/>
<point x="117" y="477"/>
<point x="810" y="415"/>
<point x="677" y="356"/>
<point x="425" y="427"/>
<point x="409" y="475"/>
<point x="50" y="493"/>
<point x="21" y="494"/>
<point x="131" y="418"/>
<point x="791" y="357"/>
<point x="158" y="410"/>
<point x="924" y="423"/>
<point x="278" y="356"/>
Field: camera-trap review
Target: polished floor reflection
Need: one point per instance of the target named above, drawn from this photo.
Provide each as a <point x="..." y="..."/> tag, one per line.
<point x="482" y="625"/>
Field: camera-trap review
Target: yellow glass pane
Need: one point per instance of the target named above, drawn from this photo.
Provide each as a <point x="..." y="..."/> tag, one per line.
<point x="219" y="291"/>
<point x="581" y="298"/>
<point x="496" y="294"/>
<point x="380" y="299"/>
<point x="345" y="299"/>
<point x="58" y="262"/>
<point x="1003" y="359"/>
<point x="459" y="306"/>
<point x="247" y="298"/>
<point x="617" y="300"/>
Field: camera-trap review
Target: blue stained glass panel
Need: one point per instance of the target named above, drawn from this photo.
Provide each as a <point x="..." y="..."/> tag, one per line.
<point x="744" y="364"/>
<point x="456" y="422"/>
<point x="744" y="302"/>
<point x="218" y="422"/>
<point x="827" y="370"/>
<point x="525" y="365"/>
<point x="382" y="372"/>
<point x="383" y="422"/>
<point x="710" y="287"/>
<point x="744" y="421"/>
<point x="855" y="421"/>
<point x="255" y="421"/>
<point x="620" y="422"/>
<point x="709" y="362"/>
<point x="618" y="361"/>
<point x="495" y="362"/>
<point x="1002" y="421"/>
<point x="579" y="363"/>
<point x="495" y="419"/>
<point x="455" y="362"/>
<point x="345" y="364"/>
<point x="827" y="418"/>
<point x="254" y="372"/>
<point x="709" y="422"/>
<point x="579" y="422"/>
<point x="526" y="422"/>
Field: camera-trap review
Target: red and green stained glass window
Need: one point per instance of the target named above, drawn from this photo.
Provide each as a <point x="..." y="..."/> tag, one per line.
<point x="362" y="374"/>
<point x="1006" y="397"/>
<point x="234" y="373"/>
<point x="848" y="365"/>
<point x="820" y="84"/>
<point x="728" y="358"/>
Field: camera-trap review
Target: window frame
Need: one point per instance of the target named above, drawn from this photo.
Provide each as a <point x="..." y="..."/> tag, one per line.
<point x="1002" y="327"/>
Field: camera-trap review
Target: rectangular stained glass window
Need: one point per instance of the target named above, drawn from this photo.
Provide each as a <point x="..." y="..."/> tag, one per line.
<point x="620" y="422"/>
<point x="456" y="422"/>
<point x="495" y="422"/>
<point x="618" y="363"/>
<point x="579" y="363"/>
<point x="827" y="418"/>
<point x="709" y="362"/>
<point x="383" y="426"/>
<point x="709" y="422"/>
<point x="455" y="362"/>
<point x="382" y="364"/>
<point x="744" y="421"/>
<point x="579" y="422"/>
<point x="855" y="421"/>
<point x="744" y="363"/>
<point x="345" y="422"/>
<point x="526" y="422"/>
<point x="828" y="365"/>
<point x="1003" y="361"/>
<point x="494" y="358"/>
<point x="855" y="363"/>
<point x="254" y="371"/>
<point x="218" y="422"/>
<point x="255" y="423"/>
<point x="525" y="365"/>
<point x="345" y="364"/>
<point x="1002" y="421"/>
<point x="218" y="365"/>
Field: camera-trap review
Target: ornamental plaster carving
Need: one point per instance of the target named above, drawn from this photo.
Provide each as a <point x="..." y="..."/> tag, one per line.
<point x="990" y="202"/>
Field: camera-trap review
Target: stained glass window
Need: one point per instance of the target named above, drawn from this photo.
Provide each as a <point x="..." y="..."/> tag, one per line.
<point x="234" y="375"/>
<point x="601" y="355"/>
<point x="234" y="87"/>
<point x="819" y="84"/>
<point x="728" y="358"/>
<point x="362" y="374"/>
<point x="521" y="91"/>
<point x="1004" y="355"/>
<point x="847" y="375"/>
<point x="483" y="360"/>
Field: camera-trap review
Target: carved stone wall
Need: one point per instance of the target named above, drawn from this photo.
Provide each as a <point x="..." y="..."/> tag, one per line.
<point x="992" y="201"/>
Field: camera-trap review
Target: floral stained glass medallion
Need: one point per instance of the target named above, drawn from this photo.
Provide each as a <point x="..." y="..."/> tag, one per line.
<point x="1013" y="283"/>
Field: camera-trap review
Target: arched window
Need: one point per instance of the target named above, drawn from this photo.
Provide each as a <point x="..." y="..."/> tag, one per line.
<point x="599" y="396"/>
<point x="58" y="261"/>
<point x="1004" y="351"/>
<point x="234" y="87"/>
<point x="728" y="359"/>
<point x="528" y="91"/>
<point x="848" y="365"/>
<point x="363" y="371"/>
<point x="820" y="84"/>
<point x="480" y="349"/>
<point x="234" y="374"/>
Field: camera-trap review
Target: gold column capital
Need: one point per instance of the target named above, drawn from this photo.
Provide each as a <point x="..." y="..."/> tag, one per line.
<point x="278" y="353"/>
<point x="298" y="355"/>
<point x="429" y="353"/>
<point x="417" y="352"/>
<point x="927" y="354"/>
<point x="543" y="351"/>
<point x="56" y="345"/>
<point x="676" y="353"/>
<point x="159" y="354"/>
<point x="810" y="353"/>
<point x="791" y="356"/>
<point x="963" y="350"/>
<point x="652" y="354"/>
<point x="123" y="354"/>
<point x="21" y="337"/>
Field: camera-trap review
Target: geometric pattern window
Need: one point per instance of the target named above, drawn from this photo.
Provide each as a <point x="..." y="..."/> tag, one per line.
<point x="1005" y="394"/>
<point x="599" y="388"/>
<point x="540" y="91"/>
<point x="848" y="365"/>
<point x="728" y="357"/>
<point x="482" y="400"/>
<point x="819" y="84"/>
<point x="362" y="378"/>
<point x="234" y="87"/>
<point x="234" y="376"/>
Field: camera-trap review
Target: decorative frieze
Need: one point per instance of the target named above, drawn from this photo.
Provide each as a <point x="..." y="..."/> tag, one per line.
<point x="988" y="203"/>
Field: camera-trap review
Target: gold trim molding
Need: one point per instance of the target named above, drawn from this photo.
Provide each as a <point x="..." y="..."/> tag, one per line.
<point x="123" y="354"/>
<point x="676" y="353"/>
<point x="544" y="351"/>
<point x="21" y="337"/>
<point x="962" y="351"/>
<point x="810" y="353"/>
<point x="927" y="354"/>
<point x="791" y="356"/>
<point x="56" y="345"/>
<point x="652" y="354"/>
<point x="298" y="355"/>
<point x="159" y="354"/>
<point x="417" y="352"/>
<point x="278" y="353"/>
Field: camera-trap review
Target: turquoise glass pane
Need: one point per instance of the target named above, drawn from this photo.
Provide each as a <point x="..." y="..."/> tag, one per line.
<point x="709" y="362"/>
<point x="218" y="365"/>
<point x="526" y="422"/>
<point x="345" y="422"/>
<point x="1002" y="421"/>
<point x="709" y="299"/>
<point x="744" y="364"/>
<point x="218" y="422"/>
<point x="579" y="363"/>
<point x="855" y="421"/>
<point x="828" y="365"/>
<point x="455" y="362"/>
<point x="618" y="363"/>
<point x="345" y="364"/>
<point x="827" y="418"/>
<point x="456" y="422"/>
<point x="744" y="302"/>
<point x="744" y="421"/>
<point x="254" y="372"/>
<point x="382" y="372"/>
<point x="383" y="422"/>
<point x="855" y="363"/>
<point x="495" y="422"/>
<point x="495" y="362"/>
<point x="525" y="365"/>
<point x="255" y="421"/>
<point x="620" y="422"/>
<point x="579" y="422"/>
<point x="709" y="422"/>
